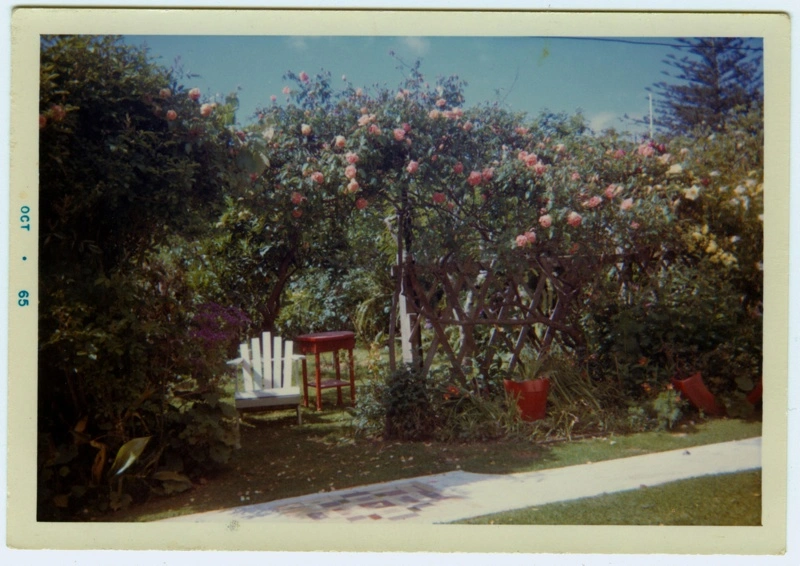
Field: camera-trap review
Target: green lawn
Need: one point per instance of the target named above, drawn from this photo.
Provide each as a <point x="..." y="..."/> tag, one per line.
<point x="724" y="500"/>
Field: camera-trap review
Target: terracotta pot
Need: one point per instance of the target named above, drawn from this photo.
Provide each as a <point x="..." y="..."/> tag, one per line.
<point x="531" y="397"/>
<point x="698" y="394"/>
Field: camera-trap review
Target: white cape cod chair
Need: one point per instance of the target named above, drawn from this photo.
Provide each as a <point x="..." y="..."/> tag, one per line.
<point x="266" y="377"/>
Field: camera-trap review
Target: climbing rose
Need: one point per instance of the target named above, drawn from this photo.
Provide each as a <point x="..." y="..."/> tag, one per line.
<point x="399" y="134"/>
<point x="339" y="141"/>
<point x="441" y="103"/>
<point x="351" y="157"/>
<point x="467" y="127"/>
<point x="593" y="202"/>
<point x="352" y="186"/>
<point x="406" y="127"/>
<point x="350" y="171"/>
<point x="303" y="76"/>
<point x="194" y="94"/>
<point x="273" y="98"/>
<point x="539" y="168"/>
<point x="635" y="225"/>
<point x="286" y="90"/>
<point x="545" y="221"/>
<point x="521" y="241"/>
<point x="619" y="154"/>
<point x="475" y="178"/>
<point x="297" y="198"/>
<point x="458" y="168"/>
<point x="171" y="115"/>
<point x="609" y="192"/>
<point x="359" y="92"/>
<point x="439" y="198"/>
<point x="627" y="204"/>
<point x="433" y="114"/>
<point x="487" y="174"/>
<point x="374" y="129"/>
<point x="165" y="93"/>
<point x="318" y="177"/>
<point x="206" y="110"/>
<point x="530" y="237"/>
<point x="364" y="119"/>
<point x="574" y="219"/>
<point x="305" y="129"/>
<point x="361" y="204"/>
<point x="412" y="167"/>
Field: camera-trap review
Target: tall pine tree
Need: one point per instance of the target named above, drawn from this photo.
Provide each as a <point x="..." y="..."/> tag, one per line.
<point x="716" y="79"/>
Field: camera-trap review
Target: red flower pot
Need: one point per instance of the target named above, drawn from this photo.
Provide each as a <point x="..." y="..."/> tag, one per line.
<point x="695" y="390"/>
<point x="531" y="397"/>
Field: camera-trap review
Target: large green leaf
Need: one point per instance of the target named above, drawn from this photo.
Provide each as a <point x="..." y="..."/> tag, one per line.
<point x="128" y="454"/>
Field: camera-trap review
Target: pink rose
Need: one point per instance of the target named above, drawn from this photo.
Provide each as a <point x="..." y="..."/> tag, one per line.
<point x="593" y="202"/>
<point x="286" y="90"/>
<point x="352" y="186"/>
<point x="361" y="204"/>
<point x="576" y="177"/>
<point x="522" y="155"/>
<point x="475" y="178"/>
<point x="457" y="112"/>
<point x="539" y="168"/>
<point x="530" y="237"/>
<point x="350" y="171"/>
<point x="412" y="167"/>
<point x="619" y="154"/>
<point x="645" y="150"/>
<point x="609" y="192"/>
<point x="434" y="114"/>
<point x="635" y="225"/>
<point x="317" y="177"/>
<point x="467" y="126"/>
<point x="339" y="141"/>
<point x="351" y="157"/>
<point x="439" y="198"/>
<point x="57" y="113"/>
<point x="487" y="174"/>
<point x="194" y="94"/>
<point x="206" y="110"/>
<point x="458" y="168"/>
<point x="521" y="240"/>
<point x="531" y="159"/>
<point x="441" y="103"/>
<point x="374" y="129"/>
<point x="626" y="204"/>
<point x="303" y="76"/>
<point x="305" y="129"/>
<point x="165" y="93"/>
<point x="574" y="219"/>
<point x="399" y="134"/>
<point x="545" y="221"/>
<point x="297" y="198"/>
<point x="406" y="127"/>
<point x="171" y="115"/>
<point x="273" y="98"/>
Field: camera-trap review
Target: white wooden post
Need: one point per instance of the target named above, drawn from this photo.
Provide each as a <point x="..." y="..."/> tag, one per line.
<point x="268" y="353"/>
<point x="247" y="369"/>
<point x="276" y="362"/>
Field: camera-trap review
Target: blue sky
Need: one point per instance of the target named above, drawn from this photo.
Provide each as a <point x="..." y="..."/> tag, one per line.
<point x="604" y="79"/>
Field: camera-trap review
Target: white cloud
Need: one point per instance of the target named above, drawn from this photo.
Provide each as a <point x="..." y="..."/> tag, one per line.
<point x="417" y="45"/>
<point x="603" y="121"/>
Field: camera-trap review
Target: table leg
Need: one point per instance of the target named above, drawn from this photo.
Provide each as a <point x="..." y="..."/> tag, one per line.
<point x="319" y="382"/>
<point x="338" y="378"/>
<point x="305" y="383"/>
<point x="352" y="378"/>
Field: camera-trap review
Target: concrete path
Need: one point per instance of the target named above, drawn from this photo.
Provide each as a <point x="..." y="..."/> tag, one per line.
<point x="452" y="496"/>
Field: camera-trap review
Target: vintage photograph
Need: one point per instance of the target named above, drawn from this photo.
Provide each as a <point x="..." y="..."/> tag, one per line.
<point x="398" y="279"/>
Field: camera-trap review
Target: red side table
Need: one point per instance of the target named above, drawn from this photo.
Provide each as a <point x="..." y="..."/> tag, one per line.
<point x="319" y="343"/>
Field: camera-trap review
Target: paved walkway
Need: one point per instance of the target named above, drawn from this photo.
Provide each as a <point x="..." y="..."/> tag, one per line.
<point x="452" y="496"/>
